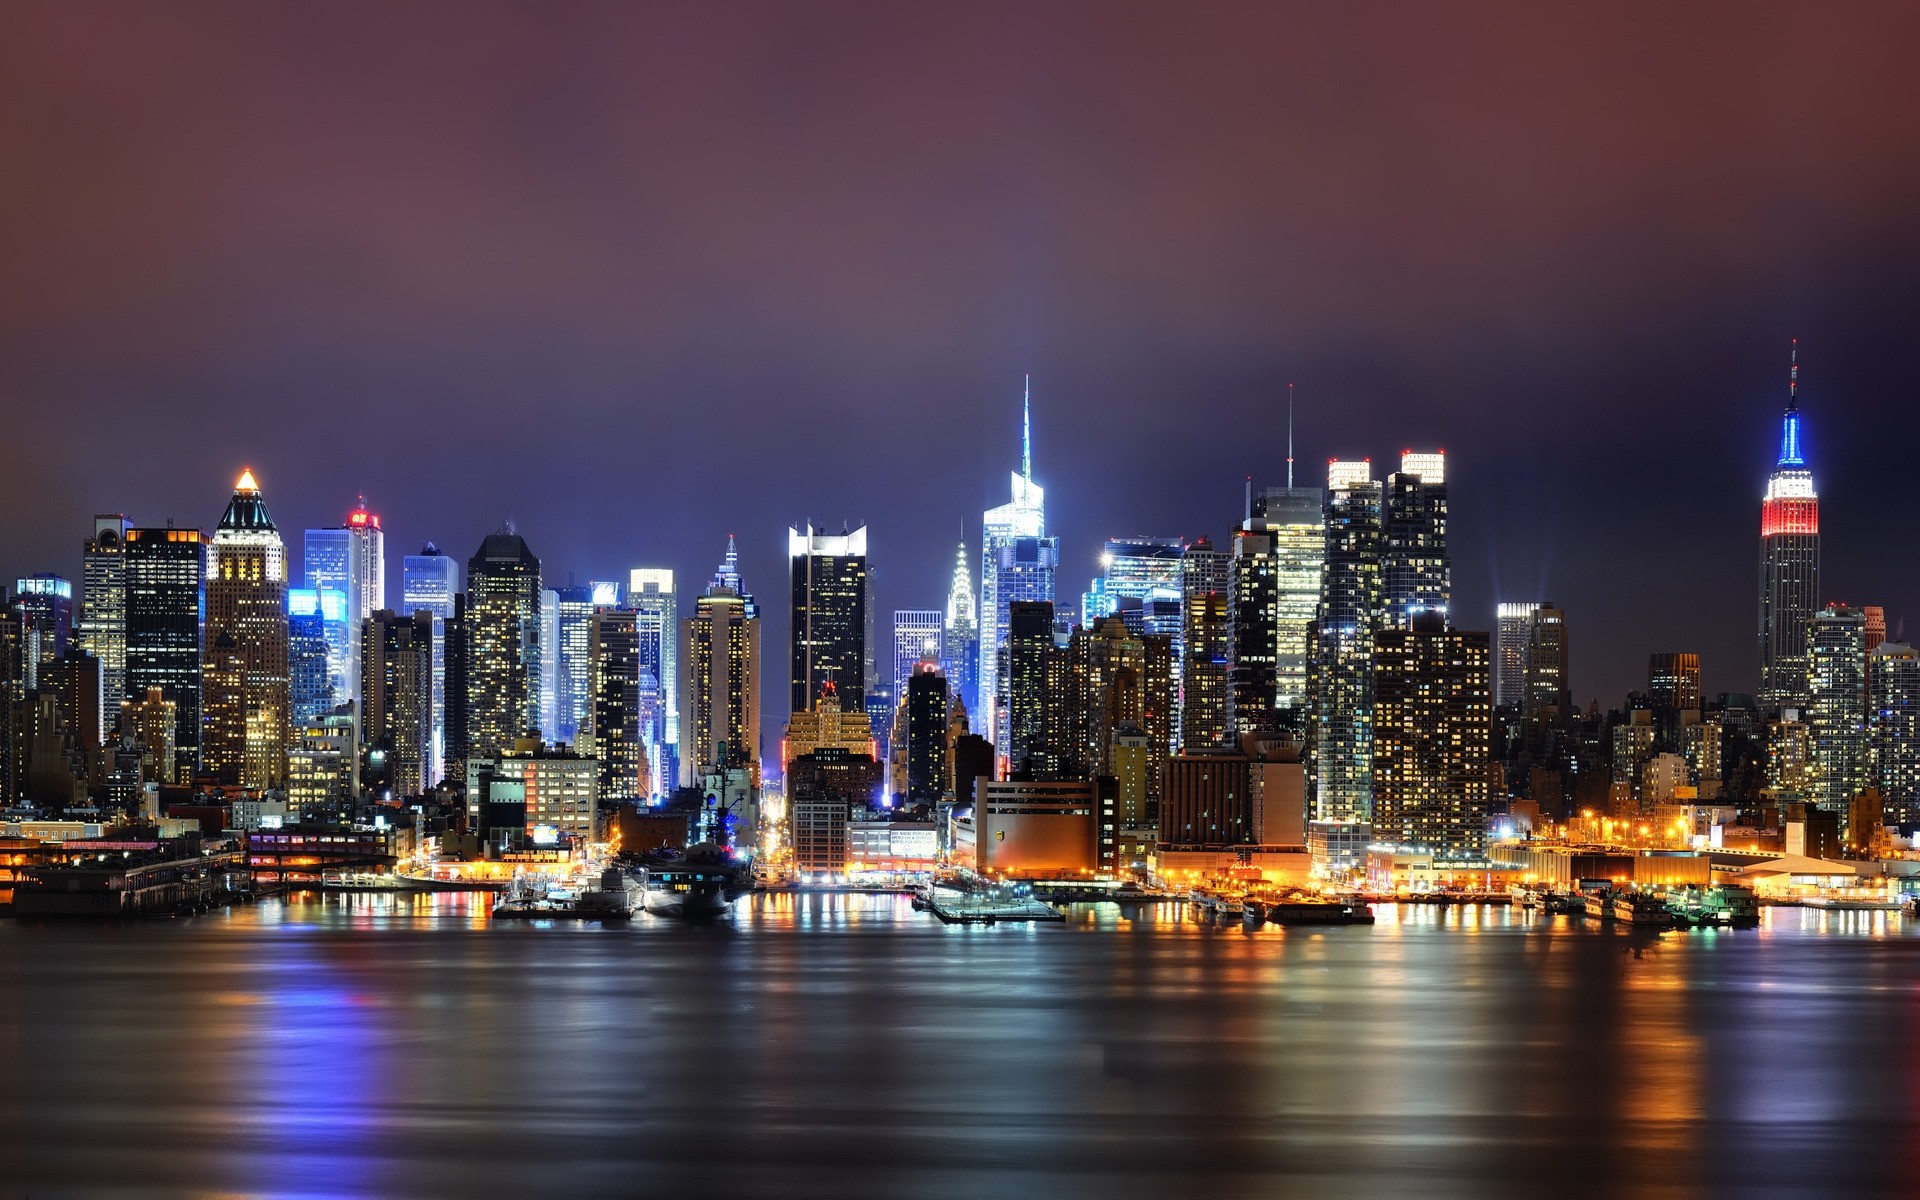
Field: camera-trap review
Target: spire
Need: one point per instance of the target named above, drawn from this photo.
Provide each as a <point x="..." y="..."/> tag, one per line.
<point x="246" y="483"/>
<point x="1289" y="437"/>
<point x="246" y="511"/>
<point x="1026" y="431"/>
<point x="1790" y="455"/>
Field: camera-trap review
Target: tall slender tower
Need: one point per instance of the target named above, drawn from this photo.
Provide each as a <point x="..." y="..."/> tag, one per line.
<point x="351" y="560"/>
<point x="829" y="631"/>
<point x="1789" y="560"/>
<point x="103" y="610"/>
<point x="960" y="661"/>
<point x="502" y="629"/>
<point x="1017" y="562"/>
<point x="248" y="689"/>
<point x="1350" y="617"/>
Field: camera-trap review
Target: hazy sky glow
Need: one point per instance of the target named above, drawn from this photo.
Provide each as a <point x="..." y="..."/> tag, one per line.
<point x="638" y="276"/>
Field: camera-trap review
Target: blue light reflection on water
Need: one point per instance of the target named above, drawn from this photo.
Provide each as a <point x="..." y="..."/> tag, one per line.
<point x="843" y="1045"/>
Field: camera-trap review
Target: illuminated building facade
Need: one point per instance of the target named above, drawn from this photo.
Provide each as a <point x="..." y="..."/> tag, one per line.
<point x="323" y="765"/>
<point x="1513" y="627"/>
<point x="828" y="574"/>
<point x="1673" y="681"/>
<point x="918" y="637"/>
<point x="1416" y="572"/>
<point x="614" y="732"/>
<point x="1836" y="714"/>
<point x="1548" y="684"/>
<point x="502" y="629"/>
<point x="248" y="700"/>
<point x="351" y="560"/>
<point x="721" y="689"/>
<point x="429" y="581"/>
<point x="309" y="677"/>
<point x="1893" y="731"/>
<point x="1209" y="799"/>
<point x="102" y="628"/>
<point x="1253" y="612"/>
<point x="1207" y="640"/>
<point x="1036" y="694"/>
<point x="927" y="735"/>
<point x="828" y="723"/>
<point x="166" y="599"/>
<point x="1350" y="600"/>
<point x="396" y="702"/>
<point x="1296" y="524"/>
<point x="960" y="643"/>
<point x="1017" y="565"/>
<point x="1433" y="736"/>
<point x="656" y="615"/>
<point x="1789" y="561"/>
<point x="1121" y="684"/>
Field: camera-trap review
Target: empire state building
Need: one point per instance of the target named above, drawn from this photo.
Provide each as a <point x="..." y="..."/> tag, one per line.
<point x="1789" y="561"/>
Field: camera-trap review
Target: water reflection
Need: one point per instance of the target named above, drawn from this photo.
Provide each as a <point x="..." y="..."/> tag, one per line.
<point x="846" y="1045"/>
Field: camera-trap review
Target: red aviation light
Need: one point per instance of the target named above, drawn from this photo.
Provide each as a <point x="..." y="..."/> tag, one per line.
<point x="1789" y="514"/>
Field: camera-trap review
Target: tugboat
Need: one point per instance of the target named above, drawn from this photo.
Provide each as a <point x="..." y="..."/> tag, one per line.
<point x="700" y="886"/>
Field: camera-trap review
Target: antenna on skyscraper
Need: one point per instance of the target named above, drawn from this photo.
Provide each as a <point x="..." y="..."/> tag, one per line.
<point x="1249" y="513"/>
<point x="1026" y="431"/>
<point x="1289" y="437"/>
<point x="1793" y="377"/>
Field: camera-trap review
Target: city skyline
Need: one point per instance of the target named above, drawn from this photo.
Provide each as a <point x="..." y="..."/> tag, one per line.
<point x="1562" y="303"/>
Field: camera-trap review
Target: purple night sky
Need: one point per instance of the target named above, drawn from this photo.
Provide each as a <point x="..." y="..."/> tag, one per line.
<point x="638" y="276"/>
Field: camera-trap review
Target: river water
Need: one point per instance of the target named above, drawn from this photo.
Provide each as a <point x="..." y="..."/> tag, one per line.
<point x="822" y="1046"/>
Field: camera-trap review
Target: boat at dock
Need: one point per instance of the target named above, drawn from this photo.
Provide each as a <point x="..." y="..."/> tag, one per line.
<point x="611" y="897"/>
<point x="1305" y="911"/>
<point x="1642" y="908"/>
<point x="701" y="886"/>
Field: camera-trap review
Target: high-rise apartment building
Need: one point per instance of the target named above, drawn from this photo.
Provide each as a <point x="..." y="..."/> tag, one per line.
<point x="960" y="645"/>
<point x="828" y="573"/>
<point x="309" y="677"/>
<point x="1548" y="684"/>
<point x="614" y="733"/>
<point x="1035" y="696"/>
<point x="721" y="689"/>
<point x="1512" y="629"/>
<point x="102" y="630"/>
<point x="166" y="602"/>
<point x="1416" y="571"/>
<point x="1673" y="681"/>
<point x="1208" y="645"/>
<point x="1433" y="736"/>
<point x="45" y="604"/>
<point x="918" y="636"/>
<point x="248" y="700"/>
<point x="1350" y="614"/>
<point x="1789" y="561"/>
<point x="1120" y="685"/>
<point x="1017" y="564"/>
<point x="1893" y="731"/>
<point x="573" y="620"/>
<point x="502" y="630"/>
<point x="1296" y="523"/>
<point x="1253" y="614"/>
<point x="927" y="734"/>
<point x="1836" y="714"/>
<point x="396" y="702"/>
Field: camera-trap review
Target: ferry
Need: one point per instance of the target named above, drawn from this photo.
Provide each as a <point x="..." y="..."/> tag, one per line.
<point x="1319" y="912"/>
<point x="1642" y="908"/>
<point x="1600" y="904"/>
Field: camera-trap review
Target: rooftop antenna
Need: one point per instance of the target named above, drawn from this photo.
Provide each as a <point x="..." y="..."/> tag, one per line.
<point x="1289" y="437"/>
<point x="1026" y="431"/>
<point x="1249" y="514"/>
<point x="1793" y="377"/>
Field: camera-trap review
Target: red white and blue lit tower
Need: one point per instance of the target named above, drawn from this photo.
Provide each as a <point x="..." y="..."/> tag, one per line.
<point x="1789" y="561"/>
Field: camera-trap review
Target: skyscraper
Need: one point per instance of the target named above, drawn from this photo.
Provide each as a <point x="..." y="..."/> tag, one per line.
<point x="828" y="574"/>
<point x="1017" y="563"/>
<point x="1416" y="571"/>
<point x="1836" y="692"/>
<point x="1120" y="685"/>
<point x="1673" y="681"/>
<point x="1548" y="687"/>
<point x="727" y="575"/>
<point x="1036" y="694"/>
<point x="45" y="603"/>
<point x="573" y="674"/>
<point x="248" y="702"/>
<point x="502" y="619"/>
<point x="1296" y="522"/>
<point x="721" y="692"/>
<point x="1789" y="560"/>
<point x="1513" y="626"/>
<point x="103" y="610"/>
<point x="166" y="602"/>
<point x="1433" y="735"/>
<point x="309" y="681"/>
<point x="1253" y="613"/>
<point x="613" y="727"/>
<point x="1203" y="669"/>
<point x="960" y="657"/>
<point x="1893" y="731"/>
<point x="429" y="581"/>
<point x="396" y="701"/>
<point x="926" y="707"/>
<point x="656" y="615"/>
<point x="1350" y="613"/>
<point x="351" y="560"/>
<point x="918" y="635"/>
<point x="546" y="649"/>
